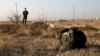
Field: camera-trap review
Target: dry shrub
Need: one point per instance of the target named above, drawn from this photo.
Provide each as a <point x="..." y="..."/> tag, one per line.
<point x="8" y="28"/>
<point x="15" y="19"/>
<point x="90" y="31"/>
<point x="15" y="29"/>
<point x="38" y="27"/>
<point x="11" y="27"/>
<point x="89" y="28"/>
<point x="51" y="32"/>
<point x="92" y="34"/>
<point x="23" y="30"/>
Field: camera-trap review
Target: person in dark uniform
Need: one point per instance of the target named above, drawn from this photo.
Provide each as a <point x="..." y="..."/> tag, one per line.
<point x="25" y="14"/>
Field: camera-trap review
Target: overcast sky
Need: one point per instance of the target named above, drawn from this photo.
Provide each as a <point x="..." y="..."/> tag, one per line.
<point x="53" y="9"/>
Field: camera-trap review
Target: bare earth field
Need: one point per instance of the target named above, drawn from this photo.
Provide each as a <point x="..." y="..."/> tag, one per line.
<point x="42" y="39"/>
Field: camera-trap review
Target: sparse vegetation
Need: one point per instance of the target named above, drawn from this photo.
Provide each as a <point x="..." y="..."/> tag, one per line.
<point x="89" y="28"/>
<point x="38" y="39"/>
<point x="15" y="19"/>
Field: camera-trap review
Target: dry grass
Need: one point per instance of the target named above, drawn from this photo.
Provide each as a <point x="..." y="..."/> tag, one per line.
<point x="38" y="39"/>
<point x="28" y="46"/>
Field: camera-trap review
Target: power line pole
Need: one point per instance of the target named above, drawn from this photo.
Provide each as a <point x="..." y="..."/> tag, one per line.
<point x="42" y="12"/>
<point x="16" y="9"/>
<point x="73" y="14"/>
<point x="83" y="15"/>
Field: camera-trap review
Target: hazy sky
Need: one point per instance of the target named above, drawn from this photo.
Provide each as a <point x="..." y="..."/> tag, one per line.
<point x="53" y="9"/>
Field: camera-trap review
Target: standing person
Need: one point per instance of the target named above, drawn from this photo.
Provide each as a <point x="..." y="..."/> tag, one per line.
<point x="25" y="14"/>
